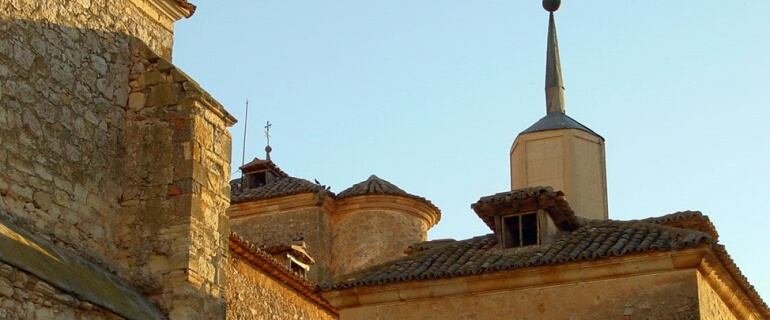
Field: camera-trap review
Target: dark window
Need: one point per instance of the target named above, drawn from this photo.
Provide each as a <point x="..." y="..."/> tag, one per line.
<point x="521" y="230"/>
<point x="297" y="269"/>
<point x="256" y="179"/>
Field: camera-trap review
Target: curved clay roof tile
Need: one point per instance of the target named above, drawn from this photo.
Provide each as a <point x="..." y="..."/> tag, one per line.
<point x="373" y="185"/>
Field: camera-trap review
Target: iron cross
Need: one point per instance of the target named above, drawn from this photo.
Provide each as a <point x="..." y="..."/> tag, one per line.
<point x="267" y="132"/>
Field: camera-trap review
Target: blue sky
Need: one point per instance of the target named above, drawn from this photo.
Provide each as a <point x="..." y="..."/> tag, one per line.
<point x="430" y="95"/>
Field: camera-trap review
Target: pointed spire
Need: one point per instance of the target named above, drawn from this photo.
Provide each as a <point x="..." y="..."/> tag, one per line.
<point x="554" y="87"/>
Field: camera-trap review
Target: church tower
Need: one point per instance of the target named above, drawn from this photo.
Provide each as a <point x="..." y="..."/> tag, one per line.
<point x="557" y="150"/>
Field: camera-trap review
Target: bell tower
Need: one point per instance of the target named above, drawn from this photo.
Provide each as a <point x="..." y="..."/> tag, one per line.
<point x="557" y="150"/>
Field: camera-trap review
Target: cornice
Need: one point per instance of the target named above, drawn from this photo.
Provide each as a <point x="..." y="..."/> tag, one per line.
<point x="619" y="267"/>
<point x="281" y="204"/>
<point x="429" y="214"/>
<point x="165" y="12"/>
<point x="730" y="289"/>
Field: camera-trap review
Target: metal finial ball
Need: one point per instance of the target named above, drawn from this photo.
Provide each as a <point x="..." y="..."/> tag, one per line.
<point x="268" y="149"/>
<point x="551" y="5"/>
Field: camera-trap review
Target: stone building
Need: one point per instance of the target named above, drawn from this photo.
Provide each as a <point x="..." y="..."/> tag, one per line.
<point x="115" y="204"/>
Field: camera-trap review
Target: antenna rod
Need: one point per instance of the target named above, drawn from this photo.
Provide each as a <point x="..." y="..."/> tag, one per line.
<point x="245" y="131"/>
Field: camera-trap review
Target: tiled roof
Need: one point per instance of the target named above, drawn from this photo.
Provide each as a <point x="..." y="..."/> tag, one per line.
<point x="262" y="260"/>
<point x="687" y="219"/>
<point x="754" y="296"/>
<point x="591" y="241"/>
<point x="280" y="188"/>
<point x="375" y="185"/>
<point x="262" y="164"/>
<point x="527" y="200"/>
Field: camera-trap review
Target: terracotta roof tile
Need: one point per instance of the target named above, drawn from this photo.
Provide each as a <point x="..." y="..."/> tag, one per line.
<point x="591" y="241"/>
<point x="262" y="164"/>
<point x="524" y="200"/>
<point x="280" y="188"/>
<point x="375" y="185"/>
<point x="752" y="293"/>
<point x="687" y="219"/>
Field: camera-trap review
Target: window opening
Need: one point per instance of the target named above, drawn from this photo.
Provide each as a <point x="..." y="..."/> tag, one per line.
<point x="257" y="179"/>
<point x="520" y="230"/>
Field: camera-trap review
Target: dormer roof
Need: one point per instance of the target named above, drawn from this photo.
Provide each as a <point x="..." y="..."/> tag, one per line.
<point x="258" y="165"/>
<point x="527" y="200"/>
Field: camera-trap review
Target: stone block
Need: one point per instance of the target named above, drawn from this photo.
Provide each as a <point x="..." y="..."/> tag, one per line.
<point x="163" y="94"/>
<point x="42" y="200"/>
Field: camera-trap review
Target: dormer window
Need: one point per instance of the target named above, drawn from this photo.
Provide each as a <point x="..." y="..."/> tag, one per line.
<point x="520" y="230"/>
<point x="257" y="179"/>
<point x="297" y="267"/>
<point x="525" y="217"/>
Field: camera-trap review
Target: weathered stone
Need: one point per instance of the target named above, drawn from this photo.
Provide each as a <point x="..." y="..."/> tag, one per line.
<point x="136" y="101"/>
<point x="162" y="95"/>
<point x="254" y="294"/>
<point x="42" y="200"/>
<point x="99" y="64"/>
<point x="6" y="289"/>
<point x="32" y="123"/>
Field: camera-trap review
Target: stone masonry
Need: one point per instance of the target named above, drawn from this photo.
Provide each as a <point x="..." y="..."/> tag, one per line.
<point x="24" y="296"/>
<point x="172" y="235"/>
<point x="109" y="151"/>
<point x="254" y="295"/>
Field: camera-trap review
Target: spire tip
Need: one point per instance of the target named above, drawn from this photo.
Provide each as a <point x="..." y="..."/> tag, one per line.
<point x="551" y="5"/>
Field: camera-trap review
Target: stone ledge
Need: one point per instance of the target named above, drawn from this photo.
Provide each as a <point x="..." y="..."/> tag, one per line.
<point x="415" y="207"/>
<point x="519" y="278"/>
<point x="165" y="12"/>
<point x="72" y="274"/>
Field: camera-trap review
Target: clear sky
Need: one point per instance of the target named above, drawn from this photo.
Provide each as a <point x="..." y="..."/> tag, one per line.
<point x="430" y="95"/>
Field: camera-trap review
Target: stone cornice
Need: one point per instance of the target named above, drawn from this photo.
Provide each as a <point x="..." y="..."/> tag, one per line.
<point x="281" y="204"/>
<point x="619" y="267"/>
<point x="730" y="289"/>
<point x="414" y="207"/>
<point x="165" y="12"/>
<point x="555" y="133"/>
<point x="429" y="214"/>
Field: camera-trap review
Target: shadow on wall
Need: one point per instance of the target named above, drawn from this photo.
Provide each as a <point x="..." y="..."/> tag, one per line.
<point x="109" y="151"/>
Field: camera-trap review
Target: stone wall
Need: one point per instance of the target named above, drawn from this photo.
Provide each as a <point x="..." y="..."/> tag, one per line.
<point x="311" y="223"/>
<point x="368" y="237"/>
<point x="173" y="230"/>
<point x="107" y="150"/>
<point x="712" y="307"/>
<point x="62" y="91"/>
<point x="252" y="294"/>
<point x="63" y="87"/>
<point x="24" y="296"/>
<point x="661" y="296"/>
